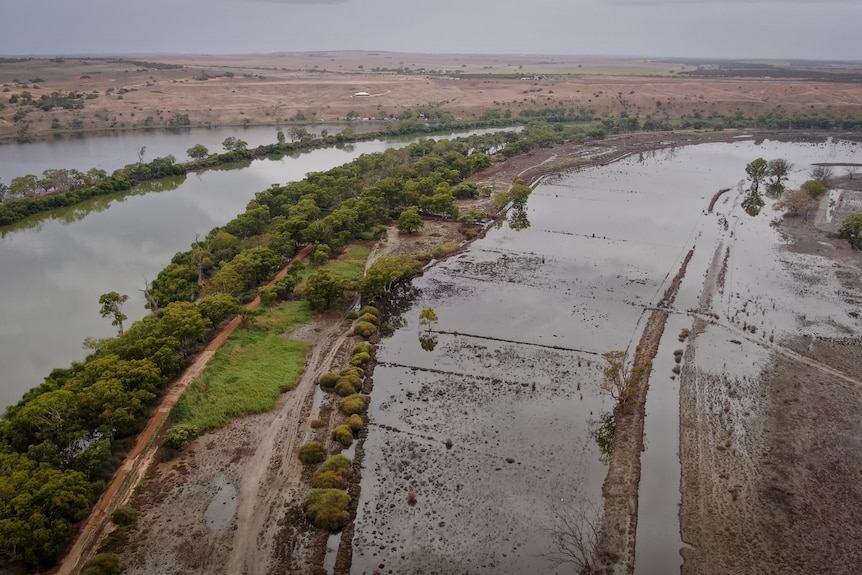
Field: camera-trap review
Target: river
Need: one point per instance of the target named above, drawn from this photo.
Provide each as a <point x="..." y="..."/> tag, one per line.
<point x="57" y="264"/>
<point x="114" y="150"/>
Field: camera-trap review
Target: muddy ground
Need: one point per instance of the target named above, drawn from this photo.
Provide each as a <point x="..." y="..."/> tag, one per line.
<point x="772" y="480"/>
<point x="272" y="89"/>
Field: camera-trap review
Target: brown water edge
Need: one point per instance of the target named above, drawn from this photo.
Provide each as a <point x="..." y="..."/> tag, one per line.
<point x="615" y="548"/>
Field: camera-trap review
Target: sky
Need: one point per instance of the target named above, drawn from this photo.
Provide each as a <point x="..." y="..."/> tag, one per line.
<point x="817" y="29"/>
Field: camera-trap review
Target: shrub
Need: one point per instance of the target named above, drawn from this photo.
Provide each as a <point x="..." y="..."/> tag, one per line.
<point x="347" y="385"/>
<point x="124" y="515"/>
<point x="360" y="359"/>
<point x="327" y="508"/>
<point x="353" y="370"/>
<point x="328" y="480"/>
<point x="364" y="329"/>
<point x="353" y="404"/>
<point x="370" y="318"/>
<point x="355" y="423"/>
<point x="363" y="346"/>
<point x="312" y="452"/>
<point x="102" y="564"/>
<point x="343" y="435"/>
<point x="267" y="295"/>
<point x="352" y="314"/>
<point x="180" y="435"/>
<point x="328" y="380"/>
<point x="815" y="188"/>
<point x="851" y="230"/>
<point x="332" y="474"/>
<point x="444" y="250"/>
<point x="369" y="309"/>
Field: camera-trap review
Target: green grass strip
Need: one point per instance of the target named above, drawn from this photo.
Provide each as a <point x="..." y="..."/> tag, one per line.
<point x="246" y="374"/>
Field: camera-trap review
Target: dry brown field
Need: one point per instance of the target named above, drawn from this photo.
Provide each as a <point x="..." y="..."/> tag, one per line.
<point x="132" y="93"/>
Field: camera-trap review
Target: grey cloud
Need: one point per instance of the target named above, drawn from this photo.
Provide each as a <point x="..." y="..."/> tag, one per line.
<point x="306" y="2"/>
<point x="748" y="2"/>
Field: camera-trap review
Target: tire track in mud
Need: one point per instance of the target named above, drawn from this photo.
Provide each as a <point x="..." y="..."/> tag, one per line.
<point x="276" y="474"/>
<point x="616" y="545"/>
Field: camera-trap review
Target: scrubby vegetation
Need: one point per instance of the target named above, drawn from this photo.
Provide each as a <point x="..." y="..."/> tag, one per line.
<point x="851" y="230"/>
<point x="353" y="404"/>
<point x="327" y="508"/>
<point x="312" y="452"/>
<point x="343" y="435"/>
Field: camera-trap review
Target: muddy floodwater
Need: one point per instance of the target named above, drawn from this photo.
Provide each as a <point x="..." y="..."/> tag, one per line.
<point x="491" y="430"/>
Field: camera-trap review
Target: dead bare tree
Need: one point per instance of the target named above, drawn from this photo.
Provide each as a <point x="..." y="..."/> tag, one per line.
<point x="575" y="535"/>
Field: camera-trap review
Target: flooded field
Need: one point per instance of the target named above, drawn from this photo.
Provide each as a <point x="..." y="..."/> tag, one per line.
<point x="482" y="433"/>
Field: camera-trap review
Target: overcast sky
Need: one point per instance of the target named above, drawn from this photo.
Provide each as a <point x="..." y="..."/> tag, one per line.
<point x="816" y="29"/>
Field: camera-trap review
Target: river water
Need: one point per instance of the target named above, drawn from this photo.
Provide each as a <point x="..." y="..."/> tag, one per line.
<point x="523" y="318"/>
<point x="57" y="264"/>
<point x="116" y="149"/>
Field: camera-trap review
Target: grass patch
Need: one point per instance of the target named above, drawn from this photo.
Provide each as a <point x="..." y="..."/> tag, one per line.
<point x="247" y="374"/>
<point x="349" y="265"/>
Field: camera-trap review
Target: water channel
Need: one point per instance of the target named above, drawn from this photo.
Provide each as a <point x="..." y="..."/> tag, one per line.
<point x="511" y="382"/>
<point x="55" y="265"/>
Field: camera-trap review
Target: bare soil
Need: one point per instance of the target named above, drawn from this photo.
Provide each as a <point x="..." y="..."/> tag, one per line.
<point x="272" y="89"/>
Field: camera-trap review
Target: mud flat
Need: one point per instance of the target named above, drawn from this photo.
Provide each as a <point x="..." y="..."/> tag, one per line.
<point x="771" y="437"/>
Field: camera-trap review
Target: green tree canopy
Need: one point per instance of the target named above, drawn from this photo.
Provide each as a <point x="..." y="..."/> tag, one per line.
<point x="322" y="291"/>
<point x="38" y="507"/>
<point x="112" y="306"/>
<point x="409" y="221"/>
<point x="197" y="152"/>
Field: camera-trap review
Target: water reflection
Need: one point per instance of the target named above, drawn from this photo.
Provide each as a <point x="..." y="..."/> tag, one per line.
<point x="603" y="434"/>
<point x="428" y="341"/>
<point x="399" y="301"/>
<point x="79" y="211"/>
<point x="518" y="219"/>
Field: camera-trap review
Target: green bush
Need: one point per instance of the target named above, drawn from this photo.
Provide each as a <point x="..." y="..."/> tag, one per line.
<point x="102" y="564"/>
<point x="352" y="314"/>
<point x="355" y="423"/>
<point x="347" y="385"/>
<point x="353" y="370"/>
<point x="370" y="318"/>
<point x="180" y="435"/>
<point x="851" y="230"/>
<point x="369" y="309"/>
<point x="328" y="480"/>
<point x="332" y="474"/>
<point x="360" y="359"/>
<point x="327" y="508"/>
<point x="353" y="404"/>
<point x="364" y="329"/>
<point x="343" y="435"/>
<point x="328" y="380"/>
<point x="363" y="346"/>
<point x="124" y="515"/>
<point x="815" y="188"/>
<point x="444" y="250"/>
<point x="312" y="452"/>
